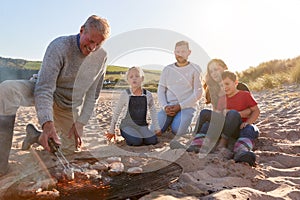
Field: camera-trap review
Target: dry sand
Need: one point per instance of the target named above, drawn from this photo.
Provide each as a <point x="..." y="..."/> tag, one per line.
<point x="276" y="175"/>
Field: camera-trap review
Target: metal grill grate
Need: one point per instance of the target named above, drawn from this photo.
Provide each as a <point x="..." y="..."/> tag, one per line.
<point x="123" y="186"/>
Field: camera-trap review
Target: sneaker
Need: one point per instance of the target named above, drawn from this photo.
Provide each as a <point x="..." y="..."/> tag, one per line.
<point x="193" y="148"/>
<point x="245" y="156"/>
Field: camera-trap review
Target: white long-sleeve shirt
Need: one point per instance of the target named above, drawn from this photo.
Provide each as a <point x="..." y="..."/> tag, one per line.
<point x="180" y="85"/>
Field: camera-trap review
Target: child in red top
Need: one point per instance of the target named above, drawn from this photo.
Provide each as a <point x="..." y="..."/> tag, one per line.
<point x="215" y="95"/>
<point x="240" y="101"/>
<point x="237" y="100"/>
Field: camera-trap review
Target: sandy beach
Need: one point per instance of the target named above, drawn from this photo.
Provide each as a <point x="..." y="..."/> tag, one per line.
<point x="276" y="175"/>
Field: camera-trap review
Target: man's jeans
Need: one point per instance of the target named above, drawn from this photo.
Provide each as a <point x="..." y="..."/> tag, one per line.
<point x="180" y="123"/>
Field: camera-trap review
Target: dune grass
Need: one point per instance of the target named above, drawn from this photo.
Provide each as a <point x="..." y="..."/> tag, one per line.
<point x="272" y="74"/>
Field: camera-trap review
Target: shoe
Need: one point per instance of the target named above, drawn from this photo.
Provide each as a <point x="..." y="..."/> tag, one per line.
<point x="245" y="156"/>
<point x="32" y="136"/>
<point x="193" y="148"/>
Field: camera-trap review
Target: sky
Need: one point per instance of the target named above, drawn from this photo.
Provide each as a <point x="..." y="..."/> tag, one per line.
<point x="243" y="33"/>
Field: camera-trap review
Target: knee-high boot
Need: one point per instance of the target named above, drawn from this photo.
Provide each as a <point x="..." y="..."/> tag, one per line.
<point x="6" y="135"/>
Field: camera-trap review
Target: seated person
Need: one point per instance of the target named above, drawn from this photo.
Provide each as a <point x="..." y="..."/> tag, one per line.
<point x="136" y="100"/>
<point x="238" y="130"/>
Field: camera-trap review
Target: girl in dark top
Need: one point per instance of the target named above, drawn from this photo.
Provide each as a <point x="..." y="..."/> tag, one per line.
<point x="132" y="108"/>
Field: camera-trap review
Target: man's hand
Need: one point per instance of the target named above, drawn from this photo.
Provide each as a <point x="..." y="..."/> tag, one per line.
<point x="76" y="131"/>
<point x="168" y="111"/>
<point x="172" y="110"/>
<point x="49" y="131"/>
<point x="176" y="108"/>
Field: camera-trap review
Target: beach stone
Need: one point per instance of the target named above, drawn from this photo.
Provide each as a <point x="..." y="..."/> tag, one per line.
<point x="49" y="195"/>
<point x="101" y="166"/>
<point x="116" y="168"/>
<point x="113" y="159"/>
<point x="135" y="170"/>
<point x="192" y="190"/>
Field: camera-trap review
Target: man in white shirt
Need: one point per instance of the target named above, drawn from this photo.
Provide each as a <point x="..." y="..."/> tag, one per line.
<point x="179" y="90"/>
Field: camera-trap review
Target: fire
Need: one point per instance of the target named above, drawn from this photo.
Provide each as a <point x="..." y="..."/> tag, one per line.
<point x="81" y="183"/>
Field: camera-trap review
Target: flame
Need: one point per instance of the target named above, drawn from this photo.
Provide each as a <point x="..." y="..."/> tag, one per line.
<point x="67" y="187"/>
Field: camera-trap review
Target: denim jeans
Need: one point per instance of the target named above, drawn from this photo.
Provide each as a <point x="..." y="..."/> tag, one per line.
<point x="250" y="131"/>
<point x="179" y="123"/>
<point x="210" y="122"/>
<point x="203" y="121"/>
<point x="134" y="137"/>
<point x="230" y="124"/>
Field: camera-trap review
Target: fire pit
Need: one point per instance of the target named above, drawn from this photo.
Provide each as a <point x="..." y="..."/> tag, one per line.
<point x="103" y="178"/>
